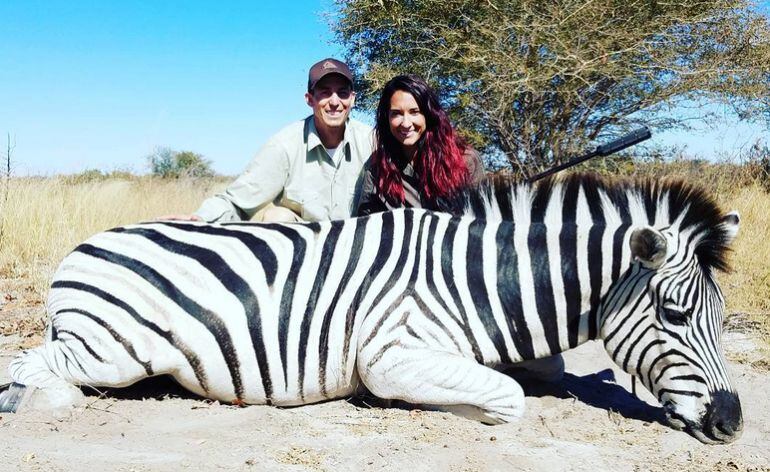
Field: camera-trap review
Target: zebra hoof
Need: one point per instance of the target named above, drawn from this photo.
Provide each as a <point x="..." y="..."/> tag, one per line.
<point x="16" y="397"/>
<point x="13" y="396"/>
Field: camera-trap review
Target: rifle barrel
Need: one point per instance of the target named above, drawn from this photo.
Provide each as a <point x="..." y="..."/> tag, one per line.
<point x="612" y="147"/>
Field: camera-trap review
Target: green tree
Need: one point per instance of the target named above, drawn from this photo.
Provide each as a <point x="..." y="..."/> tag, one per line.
<point x="538" y="80"/>
<point x="167" y="163"/>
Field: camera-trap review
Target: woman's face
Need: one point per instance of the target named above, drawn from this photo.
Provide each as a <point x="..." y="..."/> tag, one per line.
<point x="407" y="123"/>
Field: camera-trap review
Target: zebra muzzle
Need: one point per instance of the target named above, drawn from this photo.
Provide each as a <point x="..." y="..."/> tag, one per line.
<point x="723" y="421"/>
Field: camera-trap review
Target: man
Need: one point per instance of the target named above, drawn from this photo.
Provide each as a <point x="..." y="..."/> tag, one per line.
<point x="309" y="169"/>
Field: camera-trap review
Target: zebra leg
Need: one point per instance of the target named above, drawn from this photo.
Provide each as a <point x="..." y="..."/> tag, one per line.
<point x="36" y="386"/>
<point x="441" y="380"/>
<point x="547" y="369"/>
<point x="54" y="370"/>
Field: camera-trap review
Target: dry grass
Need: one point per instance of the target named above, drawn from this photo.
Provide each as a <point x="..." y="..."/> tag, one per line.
<point x="44" y="218"/>
<point x="747" y="287"/>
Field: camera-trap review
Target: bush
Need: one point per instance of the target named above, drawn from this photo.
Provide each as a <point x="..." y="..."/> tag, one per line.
<point x="167" y="163"/>
<point x="84" y="177"/>
<point x="95" y="175"/>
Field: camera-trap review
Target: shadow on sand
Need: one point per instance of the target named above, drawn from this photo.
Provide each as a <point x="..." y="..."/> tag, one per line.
<point x="598" y="390"/>
<point x="158" y="388"/>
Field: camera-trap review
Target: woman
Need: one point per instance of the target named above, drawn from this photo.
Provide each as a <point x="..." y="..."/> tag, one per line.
<point x="419" y="159"/>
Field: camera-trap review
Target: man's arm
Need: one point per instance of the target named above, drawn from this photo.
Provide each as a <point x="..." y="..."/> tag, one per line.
<point x="263" y="180"/>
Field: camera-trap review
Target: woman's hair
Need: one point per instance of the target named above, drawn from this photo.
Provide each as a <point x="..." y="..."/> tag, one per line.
<point x="439" y="162"/>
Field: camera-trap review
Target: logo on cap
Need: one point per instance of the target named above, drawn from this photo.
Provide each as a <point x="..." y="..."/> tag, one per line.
<point x="329" y="65"/>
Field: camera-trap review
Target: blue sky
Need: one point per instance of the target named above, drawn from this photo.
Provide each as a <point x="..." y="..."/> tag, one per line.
<point x="100" y="84"/>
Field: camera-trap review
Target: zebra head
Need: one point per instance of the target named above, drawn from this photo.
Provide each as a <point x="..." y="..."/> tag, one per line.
<point x="662" y="322"/>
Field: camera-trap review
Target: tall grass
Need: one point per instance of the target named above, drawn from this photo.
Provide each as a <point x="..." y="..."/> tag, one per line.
<point x="747" y="286"/>
<point x="44" y="218"/>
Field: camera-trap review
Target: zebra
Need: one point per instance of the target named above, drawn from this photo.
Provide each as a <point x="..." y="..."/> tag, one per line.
<point x="420" y="306"/>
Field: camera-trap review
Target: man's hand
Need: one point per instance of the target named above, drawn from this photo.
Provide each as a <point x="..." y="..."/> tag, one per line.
<point x="180" y="218"/>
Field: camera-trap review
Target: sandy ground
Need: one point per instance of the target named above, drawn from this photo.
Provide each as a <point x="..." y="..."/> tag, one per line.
<point x="589" y="421"/>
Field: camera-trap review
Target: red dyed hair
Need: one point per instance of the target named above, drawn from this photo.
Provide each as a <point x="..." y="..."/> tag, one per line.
<point x="439" y="162"/>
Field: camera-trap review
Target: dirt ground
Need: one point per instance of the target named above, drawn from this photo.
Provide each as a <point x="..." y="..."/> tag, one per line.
<point x="589" y="421"/>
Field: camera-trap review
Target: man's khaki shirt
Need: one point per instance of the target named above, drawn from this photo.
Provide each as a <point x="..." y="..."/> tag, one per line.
<point x="294" y="170"/>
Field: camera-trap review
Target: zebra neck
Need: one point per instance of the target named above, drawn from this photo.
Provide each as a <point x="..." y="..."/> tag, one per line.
<point x="548" y="282"/>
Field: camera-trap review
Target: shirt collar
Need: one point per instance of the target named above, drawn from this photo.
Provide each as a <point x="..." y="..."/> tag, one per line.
<point x="313" y="140"/>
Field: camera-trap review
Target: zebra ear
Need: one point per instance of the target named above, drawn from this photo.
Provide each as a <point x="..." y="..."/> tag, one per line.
<point x="648" y="246"/>
<point x="731" y="222"/>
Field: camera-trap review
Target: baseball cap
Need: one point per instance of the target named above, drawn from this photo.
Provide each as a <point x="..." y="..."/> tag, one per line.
<point x="327" y="66"/>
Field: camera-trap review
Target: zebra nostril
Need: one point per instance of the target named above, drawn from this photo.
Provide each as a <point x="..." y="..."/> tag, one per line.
<point x="726" y="431"/>
<point x="724" y="420"/>
<point x="724" y="428"/>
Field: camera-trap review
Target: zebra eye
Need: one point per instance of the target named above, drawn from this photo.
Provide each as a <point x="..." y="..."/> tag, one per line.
<point x="676" y="316"/>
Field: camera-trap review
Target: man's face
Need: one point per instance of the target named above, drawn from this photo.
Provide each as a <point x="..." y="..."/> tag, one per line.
<point x="331" y="100"/>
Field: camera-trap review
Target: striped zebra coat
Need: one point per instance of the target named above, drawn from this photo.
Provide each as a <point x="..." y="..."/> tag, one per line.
<point x="412" y="304"/>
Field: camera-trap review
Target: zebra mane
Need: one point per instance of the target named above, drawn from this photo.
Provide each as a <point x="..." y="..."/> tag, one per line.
<point x="662" y="202"/>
